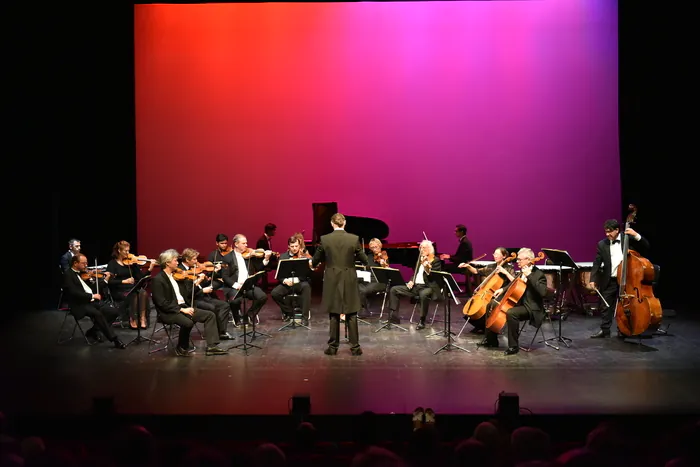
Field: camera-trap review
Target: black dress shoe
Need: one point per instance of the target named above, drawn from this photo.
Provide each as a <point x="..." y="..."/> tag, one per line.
<point x="394" y="320"/>
<point x="330" y="351"/>
<point x="118" y="344"/>
<point x="181" y="352"/>
<point x="420" y="326"/>
<point x="511" y="351"/>
<point x="488" y="344"/>
<point x="226" y="336"/>
<point x="600" y="334"/>
<point x="356" y="352"/>
<point x="215" y="350"/>
<point x="94" y="335"/>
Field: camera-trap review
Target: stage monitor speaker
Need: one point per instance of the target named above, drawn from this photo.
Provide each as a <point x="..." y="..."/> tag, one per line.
<point x="508" y="405"/>
<point x="301" y="405"/>
<point x="322" y="219"/>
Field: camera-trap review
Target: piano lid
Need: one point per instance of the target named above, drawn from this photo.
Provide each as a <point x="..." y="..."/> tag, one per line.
<point x="367" y="228"/>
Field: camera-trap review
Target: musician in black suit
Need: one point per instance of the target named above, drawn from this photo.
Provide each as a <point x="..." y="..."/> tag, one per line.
<point x="237" y="273"/>
<point x="83" y="302"/>
<point x="172" y="301"/>
<point x="372" y="287"/>
<point x="464" y="254"/>
<point x="604" y="271"/>
<point x="339" y="249"/>
<point x="530" y="307"/>
<point x="288" y="284"/>
<point x="73" y="249"/>
<point x="421" y="285"/>
<point x="265" y="243"/>
<point x="204" y="295"/>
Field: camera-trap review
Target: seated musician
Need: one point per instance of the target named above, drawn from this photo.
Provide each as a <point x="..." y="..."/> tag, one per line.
<point x="265" y="243"/>
<point x="530" y="307"/>
<point x="372" y="287"/>
<point x="302" y="287"/>
<point x="204" y="297"/>
<point x="73" y="249"/>
<point x="506" y="272"/>
<point x="173" y="304"/>
<point x="121" y="278"/>
<point x="420" y="285"/>
<point x="464" y="254"/>
<point x="83" y="302"/>
<point x="238" y="272"/>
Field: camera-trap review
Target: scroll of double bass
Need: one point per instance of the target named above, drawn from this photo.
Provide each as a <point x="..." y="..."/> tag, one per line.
<point x="637" y="308"/>
<point x="510" y="298"/>
<point x="475" y="308"/>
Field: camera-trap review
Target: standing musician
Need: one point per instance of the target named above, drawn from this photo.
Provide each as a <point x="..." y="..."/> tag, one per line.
<point x="506" y="272"/>
<point x="531" y="303"/>
<point x="604" y="271"/>
<point x="173" y="304"/>
<point x="204" y="297"/>
<point x="379" y="258"/>
<point x="420" y="285"/>
<point x="289" y="284"/>
<point x="464" y="254"/>
<point x="237" y="273"/>
<point x="73" y="249"/>
<point x="265" y="243"/>
<point x="122" y="275"/>
<point x="83" y="302"/>
<point x="339" y="249"/>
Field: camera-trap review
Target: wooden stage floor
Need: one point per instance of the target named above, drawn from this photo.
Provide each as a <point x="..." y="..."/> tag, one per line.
<point x="398" y="371"/>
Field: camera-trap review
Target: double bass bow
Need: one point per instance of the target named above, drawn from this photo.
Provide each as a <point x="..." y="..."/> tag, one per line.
<point x="637" y="308"/>
<point x="482" y="296"/>
<point x="510" y="298"/>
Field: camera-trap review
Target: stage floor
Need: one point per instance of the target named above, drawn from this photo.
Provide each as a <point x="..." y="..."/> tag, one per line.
<point x="398" y="371"/>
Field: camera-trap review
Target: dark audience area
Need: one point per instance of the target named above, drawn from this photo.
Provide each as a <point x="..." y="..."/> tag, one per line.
<point x="364" y="440"/>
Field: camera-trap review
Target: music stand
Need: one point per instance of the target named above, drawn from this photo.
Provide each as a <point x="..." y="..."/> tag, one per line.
<point x="448" y="286"/>
<point x="390" y="277"/>
<point x="248" y="285"/>
<point x="139" y="286"/>
<point x="359" y="267"/>
<point x="293" y="268"/>
<point x="562" y="259"/>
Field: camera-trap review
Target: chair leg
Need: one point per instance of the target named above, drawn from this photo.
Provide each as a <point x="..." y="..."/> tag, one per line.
<point x="413" y="312"/>
<point x="437" y="305"/>
<point x="151" y="343"/>
<point x="60" y="330"/>
<point x="463" y="326"/>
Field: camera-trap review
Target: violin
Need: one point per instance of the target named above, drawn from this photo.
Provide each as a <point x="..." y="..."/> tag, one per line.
<point x="475" y="307"/>
<point x="190" y="274"/>
<point x="382" y="255"/>
<point x="259" y="253"/>
<point x="207" y="266"/>
<point x="94" y="274"/>
<point x="637" y="308"/>
<point x="141" y="260"/>
<point x="427" y="261"/>
<point x="510" y="298"/>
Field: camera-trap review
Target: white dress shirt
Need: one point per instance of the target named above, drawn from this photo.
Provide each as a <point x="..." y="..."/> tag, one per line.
<point x="180" y="300"/>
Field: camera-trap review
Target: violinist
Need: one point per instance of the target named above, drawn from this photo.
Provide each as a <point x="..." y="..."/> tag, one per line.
<point x="421" y="285"/>
<point x="222" y="255"/>
<point x="265" y="243"/>
<point x="174" y="307"/>
<point x="605" y="266"/>
<point x="506" y="272"/>
<point x="204" y="298"/>
<point x="531" y="304"/>
<point x="289" y="284"/>
<point x="83" y="302"/>
<point x="380" y="259"/>
<point x="238" y="272"/>
<point x="464" y="254"/>
<point x="73" y="249"/>
<point x="122" y="274"/>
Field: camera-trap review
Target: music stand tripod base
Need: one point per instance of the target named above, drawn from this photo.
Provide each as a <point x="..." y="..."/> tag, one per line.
<point x="292" y="324"/>
<point x="140" y="285"/>
<point x="448" y="286"/>
<point x="245" y="345"/>
<point x="390" y="325"/>
<point x="388" y="276"/>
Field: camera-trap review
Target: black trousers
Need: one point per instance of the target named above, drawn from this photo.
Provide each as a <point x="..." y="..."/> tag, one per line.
<point x="367" y="289"/>
<point x="186" y="324"/>
<point x="219" y="307"/>
<point x="102" y="315"/>
<point x="514" y="316"/>
<point x="256" y="295"/>
<point x="353" y="333"/>
<point x="303" y="289"/>
<point x="610" y="294"/>
<point x="423" y="292"/>
<point x="481" y="322"/>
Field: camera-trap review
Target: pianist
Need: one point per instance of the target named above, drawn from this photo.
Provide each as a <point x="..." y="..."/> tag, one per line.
<point x="464" y="254"/>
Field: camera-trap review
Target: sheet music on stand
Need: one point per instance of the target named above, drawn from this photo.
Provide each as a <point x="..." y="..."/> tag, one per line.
<point x="449" y="285"/>
<point x="294" y="268"/>
<point x="562" y="259"/>
<point x="390" y="277"/>
<point x="364" y="275"/>
<point x="249" y="283"/>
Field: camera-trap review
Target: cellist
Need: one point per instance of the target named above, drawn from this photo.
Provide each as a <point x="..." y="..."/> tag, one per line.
<point x="604" y="271"/>
<point x="506" y="272"/>
<point x="530" y="306"/>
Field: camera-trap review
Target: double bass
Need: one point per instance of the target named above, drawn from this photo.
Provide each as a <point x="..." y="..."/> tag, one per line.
<point x="637" y="308"/>
<point x="475" y="307"/>
<point x="510" y="298"/>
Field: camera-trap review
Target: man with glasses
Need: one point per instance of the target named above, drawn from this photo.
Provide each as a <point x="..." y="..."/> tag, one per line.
<point x="83" y="302"/>
<point x="530" y="307"/>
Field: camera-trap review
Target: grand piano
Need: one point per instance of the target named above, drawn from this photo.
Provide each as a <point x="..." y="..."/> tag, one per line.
<point x="367" y="228"/>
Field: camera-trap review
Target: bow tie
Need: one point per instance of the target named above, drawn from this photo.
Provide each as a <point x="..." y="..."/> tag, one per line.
<point x="614" y="242"/>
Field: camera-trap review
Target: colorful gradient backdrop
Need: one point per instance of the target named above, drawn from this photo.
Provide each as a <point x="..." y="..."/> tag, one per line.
<point x="501" y="115"/>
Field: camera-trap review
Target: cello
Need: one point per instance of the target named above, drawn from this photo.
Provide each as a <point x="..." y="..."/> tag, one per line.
<point x="475" y="307"/>
<point x="637" y="308"/>
<point x="511" y="297"/>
